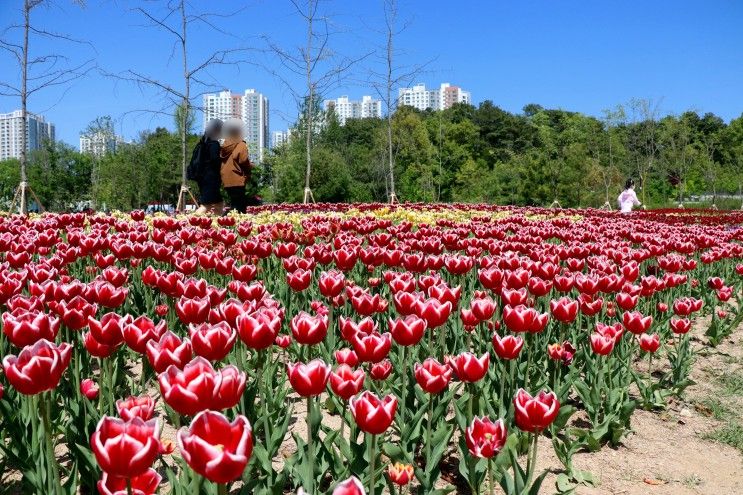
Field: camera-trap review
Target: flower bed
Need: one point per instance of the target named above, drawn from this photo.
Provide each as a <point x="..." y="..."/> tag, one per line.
<point x="412" y="335"/>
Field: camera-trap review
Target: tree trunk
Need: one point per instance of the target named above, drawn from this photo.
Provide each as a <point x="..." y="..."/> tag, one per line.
<point x="308" y="107"/>
<point x="393" y="196"/>
<point x="24" y="110"/>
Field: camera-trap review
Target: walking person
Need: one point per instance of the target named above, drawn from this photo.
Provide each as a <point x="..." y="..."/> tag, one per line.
<point x="205" y="169"/>
<point x="628" y="199"/>
<point x="235" y="165"/>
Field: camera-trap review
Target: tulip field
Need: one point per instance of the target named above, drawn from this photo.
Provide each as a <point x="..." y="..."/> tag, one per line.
<point x="347" y="349"/>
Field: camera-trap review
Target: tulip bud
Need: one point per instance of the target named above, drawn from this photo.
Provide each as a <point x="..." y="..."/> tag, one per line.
<point x="89" y="389"/>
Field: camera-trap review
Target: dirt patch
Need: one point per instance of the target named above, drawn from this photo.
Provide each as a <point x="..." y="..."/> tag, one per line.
<point x="677" y="451"/>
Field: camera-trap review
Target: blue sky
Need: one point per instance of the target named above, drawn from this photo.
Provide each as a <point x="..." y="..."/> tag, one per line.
<point x="577" y="55"/>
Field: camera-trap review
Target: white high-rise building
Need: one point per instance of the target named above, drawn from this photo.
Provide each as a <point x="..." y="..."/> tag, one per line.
<point x="435" y="99"/>
<point x="37" y="131"/>
<point x="280" y="137"/>
<point x="354" y="109"/>
<point x="100" y="143"/>
<point x="251" y="107"/>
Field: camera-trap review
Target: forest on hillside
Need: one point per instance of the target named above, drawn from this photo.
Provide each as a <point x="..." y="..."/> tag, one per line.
<point x="464" y="154"/>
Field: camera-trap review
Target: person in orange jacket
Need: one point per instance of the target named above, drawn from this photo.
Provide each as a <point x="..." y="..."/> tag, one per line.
<point x="236" y="165"/>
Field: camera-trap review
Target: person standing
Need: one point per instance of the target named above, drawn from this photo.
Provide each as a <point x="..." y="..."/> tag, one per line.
<point x="236" y="165"/>
<point x="628" y="199"/>
<point x="206" y="165"/>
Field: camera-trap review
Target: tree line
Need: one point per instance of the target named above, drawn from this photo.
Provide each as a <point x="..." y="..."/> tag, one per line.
<point x="465" y="153"/>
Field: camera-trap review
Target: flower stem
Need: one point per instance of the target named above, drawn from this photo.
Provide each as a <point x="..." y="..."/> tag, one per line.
<point x="490" y="476"/>
<point x="372" y="462"/>
<point x="428" y="440"/>
<point x="129" y="486"/>
<point x="222" y="489"/>
<point x="310" y="446"/>
<point x="404" y="371"/>
<point x="45" y="404"/>
<point x="531" y="459"/>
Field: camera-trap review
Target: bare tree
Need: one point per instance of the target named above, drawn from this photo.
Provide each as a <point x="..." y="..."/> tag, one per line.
<point x="612" y="119"/>
<point x="37" y="73"/>
<point x="322" y="68"/>
<point x="644" y="138"/>
<point x="391" y="76"/>
<point x="176" y="19"/>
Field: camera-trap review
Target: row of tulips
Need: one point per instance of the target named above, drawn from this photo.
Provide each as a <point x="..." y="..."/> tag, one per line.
<point x="424" y="348"/>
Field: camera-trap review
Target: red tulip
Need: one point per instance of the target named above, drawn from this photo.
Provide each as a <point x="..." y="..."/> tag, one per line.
<point x="507" y="347"/>
<point x="470" y="368"/>
<point x="346" y="382"/>
<point x="535" y="414"/>
<point x="433" y="311"/>
<point x="109" y="330"/>
<point x="662" y="307"/>
<point x="351" y="486"/>
<point x="372" y="414"/>
<point x="372" y="348"/>
<point x="483" y="308"/>
<point x="74" y="313"/>
<point x="614" y="331"/>
<point x="109" y="296"/>
<point x="405" y="302"/>
<point x="635" y="322"/>
<point x="685" y="306"/>
<point x="215" y="448"/>
<point x="299" y="279"/>
<point x="564" y="310"/>
<point x="626" y="301"/>
<point x="331" y="283"/>
<point x="400" y="474"/>
<point x="680" y="325"/>
<point x="523" y="319"/>
<point x="283" y="341"/>
<point x="381" y="370"/>
<point x="602" y="344"/>
<point x="432" y="376"/>
<point x="89" y="389"/>
<point x="192" y="311"/>
<point x="144" y="484"/>
<point x="485" y="438"/>
<point x="561" y="352"/>
<point x="212" y="342"/>
<point x="142" y="330"/>
<point x="26" y="328"/>
<point x="142" y="407"/>
<point x="589" y="305"/>
<point x="230" y="388"/>
<point x="649" y="343"/>
<point x="308" y="329"/>
<point x="310" y="379"/>
<point x="37" y="368"/>
<point x="407" y="331"/>
<point x="125" y="449"/>
<point x="169" y="350"/>
<point x="198" y="387"/>
<point x="259" y="329"/>
<point x="346" y="356"/>
<point x="513" y="297"/>
<point x="350" y="328"/>
<point x="95" y="348"/>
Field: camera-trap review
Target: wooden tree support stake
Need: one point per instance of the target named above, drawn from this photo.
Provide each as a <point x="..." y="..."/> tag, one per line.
<point x="183" y="198"/>
<point x="308" y="196"/>
<point x="21" y="197"/>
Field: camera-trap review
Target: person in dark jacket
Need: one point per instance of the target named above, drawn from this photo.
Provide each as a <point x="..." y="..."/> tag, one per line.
<point x="210" y="181"/>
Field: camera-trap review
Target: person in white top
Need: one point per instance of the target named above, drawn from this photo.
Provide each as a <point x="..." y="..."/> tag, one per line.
<point x="628" y="199"/>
